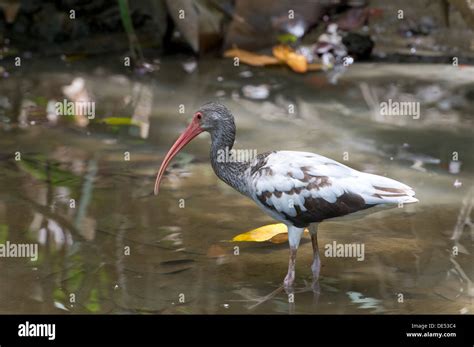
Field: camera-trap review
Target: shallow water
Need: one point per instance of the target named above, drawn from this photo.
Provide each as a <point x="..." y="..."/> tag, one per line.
<point x="123" y="250"/>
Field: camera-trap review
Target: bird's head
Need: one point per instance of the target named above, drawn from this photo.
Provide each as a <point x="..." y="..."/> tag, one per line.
<point x="214" y="116"/>
<point x="211" y="117"/>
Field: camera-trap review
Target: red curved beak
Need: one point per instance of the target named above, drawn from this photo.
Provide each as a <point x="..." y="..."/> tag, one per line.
<point x="193" y="130"/>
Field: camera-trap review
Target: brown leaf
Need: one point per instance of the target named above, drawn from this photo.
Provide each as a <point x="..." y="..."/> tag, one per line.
<point x="279" y="238"/>
<point x="215" y="251"/>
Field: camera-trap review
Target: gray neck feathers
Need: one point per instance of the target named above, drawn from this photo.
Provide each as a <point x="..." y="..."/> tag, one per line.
<point x="229" y="171"/>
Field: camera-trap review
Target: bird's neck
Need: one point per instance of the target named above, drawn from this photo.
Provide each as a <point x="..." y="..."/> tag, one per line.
<point x="223" y="162"/>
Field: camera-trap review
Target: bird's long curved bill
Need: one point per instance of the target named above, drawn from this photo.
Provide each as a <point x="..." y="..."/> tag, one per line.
<point x="190" y="133"/>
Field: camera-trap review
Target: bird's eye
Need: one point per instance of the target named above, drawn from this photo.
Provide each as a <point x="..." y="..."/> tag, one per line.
<point x="199" y="116"/>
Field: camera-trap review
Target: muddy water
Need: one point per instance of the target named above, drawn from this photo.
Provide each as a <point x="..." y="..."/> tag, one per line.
<point x="116" y="248"/>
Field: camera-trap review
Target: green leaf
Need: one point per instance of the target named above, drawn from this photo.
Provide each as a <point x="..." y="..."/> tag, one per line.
<point x="3" y="233"/>
<point x="287" y="38"/>
<point x="119" y="121"/>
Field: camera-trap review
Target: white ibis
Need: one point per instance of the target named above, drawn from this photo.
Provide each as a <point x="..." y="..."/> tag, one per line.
<point x="299" y="189"/>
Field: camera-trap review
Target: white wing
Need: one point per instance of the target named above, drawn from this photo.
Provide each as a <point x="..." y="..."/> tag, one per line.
<point x="305" y="184"/>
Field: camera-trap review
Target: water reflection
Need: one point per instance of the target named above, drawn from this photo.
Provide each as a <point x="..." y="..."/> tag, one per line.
<point x="107" y="245"/>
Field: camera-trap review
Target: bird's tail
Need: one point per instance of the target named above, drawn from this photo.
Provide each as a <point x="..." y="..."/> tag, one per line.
<point x="385" y="190"/>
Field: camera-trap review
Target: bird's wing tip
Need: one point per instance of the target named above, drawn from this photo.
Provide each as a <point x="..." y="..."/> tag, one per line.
<point x="411" y="200"/>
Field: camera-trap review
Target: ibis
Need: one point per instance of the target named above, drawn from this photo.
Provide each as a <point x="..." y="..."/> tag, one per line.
<point x="299" y="189"/>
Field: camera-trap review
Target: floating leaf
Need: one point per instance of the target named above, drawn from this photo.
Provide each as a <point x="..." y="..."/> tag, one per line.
<point x="279" y="238"/>
<point x="283" y="237"/>
<point x="283" y="54"/>
<point x="275" y="233"/>
<point x="261" y="234"/>
<point x="118" y="121"/>
<point x="250" y="58"/>
<point x="215" y="251"/>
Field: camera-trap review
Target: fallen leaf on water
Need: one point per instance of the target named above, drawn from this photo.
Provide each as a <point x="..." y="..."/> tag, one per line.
<point x="275" y="233"/>
<point x="215" y="251"/>
<point x="283" y="54"/>
<point x="297" y="62"/>
<point x="261" y="234"/>
<point x="279" y="238"/>
<point x="118" y="121"/>
<point x="251" y="58"/>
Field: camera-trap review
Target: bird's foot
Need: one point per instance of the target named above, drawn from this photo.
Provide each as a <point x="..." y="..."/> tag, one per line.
<point x="289" y="280"/>
<point x="315" y="282"/>
<point x="263" y="299"/>
<point x="315" y="286"/>
<point x="315" y="269"/>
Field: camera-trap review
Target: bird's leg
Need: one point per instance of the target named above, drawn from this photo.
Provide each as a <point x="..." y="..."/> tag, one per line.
<point x="290" y="276"/>
<point x="316" y="264"/>
<point x="294" y="237"/>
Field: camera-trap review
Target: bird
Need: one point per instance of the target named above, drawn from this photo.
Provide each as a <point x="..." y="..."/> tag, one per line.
<point x="299" y="189"/>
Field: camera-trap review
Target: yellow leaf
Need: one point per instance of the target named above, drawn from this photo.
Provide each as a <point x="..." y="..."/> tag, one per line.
<point x="251" y="58"/>
<point x="118" y="121"/>
<point x="281" y="52"/>
<point x="261" y="234"/>
<point x="275" y="233"/>
<point x="295" y="61"/>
